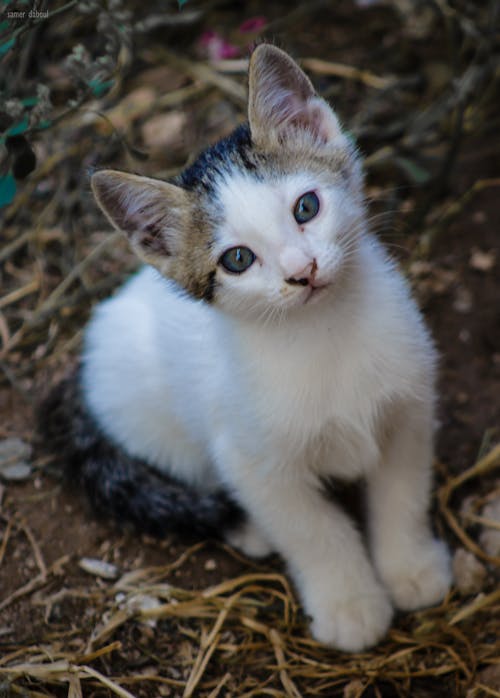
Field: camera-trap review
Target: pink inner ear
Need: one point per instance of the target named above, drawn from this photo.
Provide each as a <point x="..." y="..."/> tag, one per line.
<point x="291" y="111"/>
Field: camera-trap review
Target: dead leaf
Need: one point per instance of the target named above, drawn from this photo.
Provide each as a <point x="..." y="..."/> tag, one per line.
<point x="164" y="131"/>
<point x="135" y="105"/>
<point x="482" y="261"/>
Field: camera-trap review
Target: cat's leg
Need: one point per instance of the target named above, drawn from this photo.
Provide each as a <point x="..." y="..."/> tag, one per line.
<point x="413" y="564"/>
<point x="350" y="608"/>
<point x="250" y="539"/>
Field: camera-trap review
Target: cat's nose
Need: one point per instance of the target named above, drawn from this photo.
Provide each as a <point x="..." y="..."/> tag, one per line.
<point x="305" y="276"/>
<point x="298" y="266"/>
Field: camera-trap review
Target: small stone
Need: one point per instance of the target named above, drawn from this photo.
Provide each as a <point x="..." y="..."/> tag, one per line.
<point x="354" y="689"/>
<point x="482" y="261"/>
<point x="468" y="572"/>
<point x="420" y="268"/>
<point x="13" y="451"/>
<point x="490" y="677"/>
<point x="490" y="537"/>
<point x="99" y="568"/>
<point x="143" y="602"/>
<point x="463" y="300"/>
<point x="16" y="473"/>
<point x="479" y="217"/>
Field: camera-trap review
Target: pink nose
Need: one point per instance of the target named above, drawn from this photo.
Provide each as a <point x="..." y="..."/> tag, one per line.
<point x="305" y="276"/>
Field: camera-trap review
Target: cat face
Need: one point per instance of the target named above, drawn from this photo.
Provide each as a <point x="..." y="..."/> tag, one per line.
<point x="284" y="242"/>
<point x="265" y="221"/>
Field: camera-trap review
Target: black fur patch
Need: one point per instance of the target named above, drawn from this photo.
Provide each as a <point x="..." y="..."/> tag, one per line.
<point x="122" y="487"/>
<point x="208" y="294"/>
<point x="235" y="151"/>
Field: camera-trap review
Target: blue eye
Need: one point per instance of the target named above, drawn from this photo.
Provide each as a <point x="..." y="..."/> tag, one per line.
<point x="307" y="207"/>
<point x="237" y="259"/>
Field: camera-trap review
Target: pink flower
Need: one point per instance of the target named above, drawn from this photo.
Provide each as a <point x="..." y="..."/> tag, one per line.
<point x="216" y="48"/>
<point x="252" y="25"/>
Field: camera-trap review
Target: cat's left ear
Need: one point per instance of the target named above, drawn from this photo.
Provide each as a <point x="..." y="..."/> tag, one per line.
<point x="282" y="100"/>
<point x="151" y="213"/>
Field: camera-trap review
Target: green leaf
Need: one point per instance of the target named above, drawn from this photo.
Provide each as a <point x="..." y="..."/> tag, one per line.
<point x="5" y="48"/>
<point x="19" y="128"/>
<point x="99" y="88"/>
<point x="416" y="172"/>
<point x="7" y="190"/>
<point x="29" y="101"/>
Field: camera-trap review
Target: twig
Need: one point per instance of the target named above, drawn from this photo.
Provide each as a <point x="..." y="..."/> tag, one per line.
<point x="5" y="538"/>
<point x="289" y="686"/>
<point x="480" y="602"/>
<point x="19" y="293"/>
<point x="428" y="237"/>
<point x="208" y="647"/>
<point x="205" y="73"/>
<point x="48" y="304"/>
<point x="220" y="686"/>
<point x="118" y="690"/>
<point x="348" y="72"/>
<point x="34" y="583"/>
<point x="36" y="550"/>
<point x="490" y="461"/>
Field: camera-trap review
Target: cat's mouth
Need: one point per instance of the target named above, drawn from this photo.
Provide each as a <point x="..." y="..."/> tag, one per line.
<point x="315" y="292"/>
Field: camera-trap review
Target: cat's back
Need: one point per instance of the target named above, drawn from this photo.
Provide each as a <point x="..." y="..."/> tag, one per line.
<point x="140" y="364"/>
<point x="146" y="312"/>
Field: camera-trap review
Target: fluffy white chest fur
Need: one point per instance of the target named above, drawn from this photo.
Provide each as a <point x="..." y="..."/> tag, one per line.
<point x="274" y="346"/>
<point x="172" y="378"/>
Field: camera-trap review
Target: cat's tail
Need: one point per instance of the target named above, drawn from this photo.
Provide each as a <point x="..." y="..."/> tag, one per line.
<point x="119" y="486"/>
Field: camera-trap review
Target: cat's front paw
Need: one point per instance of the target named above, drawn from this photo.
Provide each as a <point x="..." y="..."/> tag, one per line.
<point x="354" y="623"/>
<point x="422" y="578"/>
<point x="249" y="540"/>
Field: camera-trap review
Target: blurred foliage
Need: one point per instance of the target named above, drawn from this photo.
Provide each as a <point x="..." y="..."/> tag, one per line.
<point x="93" y="41"/>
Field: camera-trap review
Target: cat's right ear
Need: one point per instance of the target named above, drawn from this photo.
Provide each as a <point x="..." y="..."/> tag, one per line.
<point x="150" y="212"/>
<point x="282" y="102"/>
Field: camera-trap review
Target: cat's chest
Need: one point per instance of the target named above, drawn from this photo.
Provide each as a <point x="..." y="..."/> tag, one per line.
<point x="300" y="385"/>
<point x="315" y="409"/>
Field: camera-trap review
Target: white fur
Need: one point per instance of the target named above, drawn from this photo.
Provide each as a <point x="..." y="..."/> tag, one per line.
<point x="265" y="404"/>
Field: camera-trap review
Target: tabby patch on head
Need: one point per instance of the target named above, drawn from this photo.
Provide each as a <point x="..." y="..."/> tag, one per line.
<point x="265" y="220"/>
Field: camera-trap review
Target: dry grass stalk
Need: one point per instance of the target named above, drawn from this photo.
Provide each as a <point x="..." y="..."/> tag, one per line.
<point x="341" y="70"/>
<point x="486" y="464"/>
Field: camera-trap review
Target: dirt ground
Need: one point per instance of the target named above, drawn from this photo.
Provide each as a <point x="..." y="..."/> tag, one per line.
<point x="51" y="610"/>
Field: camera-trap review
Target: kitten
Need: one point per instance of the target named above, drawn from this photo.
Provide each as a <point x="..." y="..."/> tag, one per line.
<point x="269" y="345"/>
